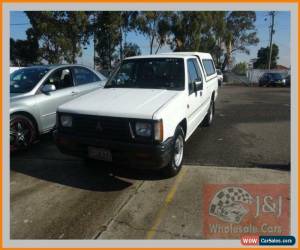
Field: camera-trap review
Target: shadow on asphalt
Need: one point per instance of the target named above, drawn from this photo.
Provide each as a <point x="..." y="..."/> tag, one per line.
<point x="283" y="167"/>
<point x="74" y="172"/>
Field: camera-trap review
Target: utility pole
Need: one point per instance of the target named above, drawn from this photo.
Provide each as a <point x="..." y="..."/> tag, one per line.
<point x="272" y="14"/>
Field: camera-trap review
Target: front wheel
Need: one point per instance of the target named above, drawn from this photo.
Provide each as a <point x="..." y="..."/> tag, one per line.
<point x="175" y="163"/>
<point x="210" y="114"/>
<point x="22" y="132"/>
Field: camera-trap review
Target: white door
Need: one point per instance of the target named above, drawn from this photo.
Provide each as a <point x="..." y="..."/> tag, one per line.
<point x="196" y="109"/>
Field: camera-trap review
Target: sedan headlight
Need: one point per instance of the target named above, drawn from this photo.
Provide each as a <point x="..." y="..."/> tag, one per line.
<point x="143" y="129"/>
<point x="66" y="121"/>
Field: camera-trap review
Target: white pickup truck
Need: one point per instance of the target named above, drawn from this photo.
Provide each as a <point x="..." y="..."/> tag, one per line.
<point x="147" y="110"/>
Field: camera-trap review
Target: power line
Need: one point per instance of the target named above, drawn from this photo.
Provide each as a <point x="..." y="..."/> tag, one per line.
<point x="18" y="24"/>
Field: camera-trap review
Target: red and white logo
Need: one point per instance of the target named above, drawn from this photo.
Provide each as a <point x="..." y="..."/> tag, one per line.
<point x="249" y="240"/>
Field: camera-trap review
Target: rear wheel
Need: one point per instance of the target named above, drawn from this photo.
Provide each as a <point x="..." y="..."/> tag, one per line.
<point x="175" y="163"/>
<point x="22" y="132"/>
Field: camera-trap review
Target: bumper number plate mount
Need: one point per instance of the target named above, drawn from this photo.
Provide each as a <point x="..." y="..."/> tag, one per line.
<point x="99" y="154"/>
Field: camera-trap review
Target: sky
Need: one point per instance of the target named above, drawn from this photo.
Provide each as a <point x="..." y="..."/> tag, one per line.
<point x="19" y="23"/>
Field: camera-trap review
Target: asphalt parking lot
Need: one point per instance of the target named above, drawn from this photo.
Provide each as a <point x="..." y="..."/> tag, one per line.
<point x="54" y="196"/>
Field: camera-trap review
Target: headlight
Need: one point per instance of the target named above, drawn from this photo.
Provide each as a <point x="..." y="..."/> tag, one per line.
<point x="143" y="129"/>
<point x="66" y="120"/>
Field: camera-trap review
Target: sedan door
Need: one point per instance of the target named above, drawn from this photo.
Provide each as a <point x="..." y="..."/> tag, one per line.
<point x="47" y="103"/>
<point x="86" y="80"/>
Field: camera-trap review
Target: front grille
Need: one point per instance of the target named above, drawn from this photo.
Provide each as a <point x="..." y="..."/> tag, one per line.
<point x="108" y="128"/>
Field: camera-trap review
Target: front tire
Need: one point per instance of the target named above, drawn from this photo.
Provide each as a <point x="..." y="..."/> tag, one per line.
<point x="22" y="132"/>
<point x="210" y="114"/>
<point x="175" y="163"/>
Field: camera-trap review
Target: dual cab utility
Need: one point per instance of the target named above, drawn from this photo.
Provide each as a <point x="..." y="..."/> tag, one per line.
<point x="147" y="110"/>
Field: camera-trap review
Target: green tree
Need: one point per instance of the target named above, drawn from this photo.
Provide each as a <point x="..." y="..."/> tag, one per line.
<point x="75" y="25"/>
<point x="192" y="31"/>
<point x="24" y="52"/>
<point x="240" y="68"/>
<point x="61" y="34"/>
<point x="127" y="23"/>
<point x="107" y="34"/>
<point x="263" y="57"/>
<point x="219" y="31"/>
<point x="131" y="49"/>
<point x="240" y="33"/>
<point x="155" y="26"/>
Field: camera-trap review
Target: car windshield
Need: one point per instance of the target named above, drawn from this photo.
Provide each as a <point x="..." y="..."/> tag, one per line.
<point x="153" y="73"/>
<point x="24" y="80"/>
<point x="276" y="76"/>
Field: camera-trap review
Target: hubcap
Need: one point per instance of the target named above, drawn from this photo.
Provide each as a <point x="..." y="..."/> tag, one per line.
<point x="20" y="134"/>
<point x="178" y="154"/>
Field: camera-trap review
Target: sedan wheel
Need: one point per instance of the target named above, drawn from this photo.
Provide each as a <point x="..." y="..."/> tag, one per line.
<point x="22" y="132"/>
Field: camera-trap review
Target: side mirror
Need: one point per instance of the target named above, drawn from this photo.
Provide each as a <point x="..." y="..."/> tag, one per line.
<point x="47" y="88"/>
<point x="198" y="85"/>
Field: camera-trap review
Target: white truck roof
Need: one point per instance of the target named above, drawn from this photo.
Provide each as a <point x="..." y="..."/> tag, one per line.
<point x="202" y="55"/>
<point x="175" y="55"/>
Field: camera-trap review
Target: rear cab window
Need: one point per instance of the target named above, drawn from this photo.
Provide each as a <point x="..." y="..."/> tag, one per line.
<point x="209" y="67"/>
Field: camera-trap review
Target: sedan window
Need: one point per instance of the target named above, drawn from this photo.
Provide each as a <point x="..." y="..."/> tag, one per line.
<point x="84" y="76"/>
<point x="61" y="79"/>
<point x="24" y="80"/>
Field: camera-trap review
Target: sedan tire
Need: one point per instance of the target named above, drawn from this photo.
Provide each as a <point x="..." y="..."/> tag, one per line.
<point x="23" y="132"/>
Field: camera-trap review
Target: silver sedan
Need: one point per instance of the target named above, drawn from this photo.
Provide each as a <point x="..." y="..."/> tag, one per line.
<point x="35" y="94"/>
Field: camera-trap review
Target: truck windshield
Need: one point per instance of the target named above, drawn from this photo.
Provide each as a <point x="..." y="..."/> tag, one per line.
<point x="154" y="73"/>
<point x="24" y="80"/>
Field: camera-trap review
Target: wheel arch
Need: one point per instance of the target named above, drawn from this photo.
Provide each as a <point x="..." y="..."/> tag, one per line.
<point x="183" y="125"/>
<point x="30" y="116"/>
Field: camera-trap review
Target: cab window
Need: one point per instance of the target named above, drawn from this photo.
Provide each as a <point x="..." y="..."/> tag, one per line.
<point x="209" y="67"/>
<point x="193" y="73"/>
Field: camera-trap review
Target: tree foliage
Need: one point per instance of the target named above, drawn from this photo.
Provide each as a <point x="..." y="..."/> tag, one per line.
<point x="60" y="36"/>
<point x="107" y="37"/>
<point x="240" y="34"/>
<point x="263" y="57"/>
<point x="24" y="52"/>
<point x="240" y="68"/>
<point x="155" y="26"/>
<point x="191" y="31"/>
<point x="131" y="49"/>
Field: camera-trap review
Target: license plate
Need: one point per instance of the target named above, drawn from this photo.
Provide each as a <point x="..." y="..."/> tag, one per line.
<point x="99" y="154"/>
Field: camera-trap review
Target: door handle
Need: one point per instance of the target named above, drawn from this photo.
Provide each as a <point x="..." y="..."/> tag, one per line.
<point x="74" y="93"/>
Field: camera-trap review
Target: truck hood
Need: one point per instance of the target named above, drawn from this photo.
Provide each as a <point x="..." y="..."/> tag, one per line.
<point x="120" y="102"/>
